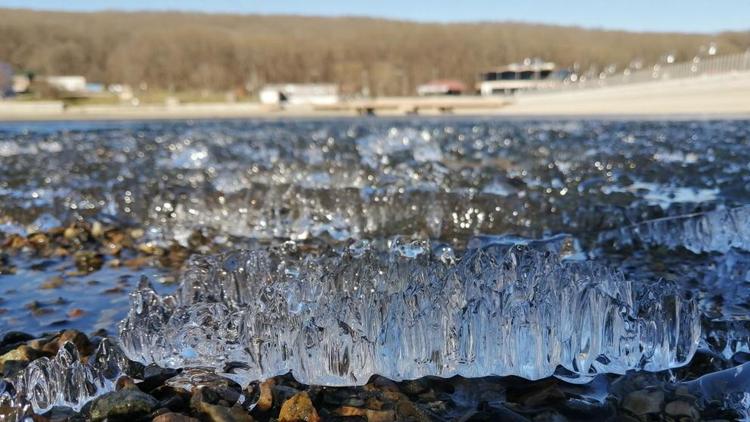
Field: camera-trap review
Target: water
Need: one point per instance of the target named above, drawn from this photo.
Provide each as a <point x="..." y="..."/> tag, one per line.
<point x="658" y="203"/>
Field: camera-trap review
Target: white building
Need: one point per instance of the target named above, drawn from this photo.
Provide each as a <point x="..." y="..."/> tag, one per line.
<point x="299" y="94"/>
<point x="71" y="84"/>
<point x="531" y="74"/>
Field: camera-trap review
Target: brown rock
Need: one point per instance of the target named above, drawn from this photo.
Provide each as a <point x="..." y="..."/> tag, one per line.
<point x="76" y="313"/>
<point x="21" y="353"/>
<point x="174" y="417"/>
<point x="71" y="232"/>
<point x="265" y="401"/>
<point x="53" y="283"/>
<point x="125" y="404"/>
<point x="124" y="383"/>
<point x="88" y="261"/>
<point x="216" y="413"/>
<point x="371" y="415"/>
<point x="38" y="240"/>
<point x="15" y="241"/>
<point x="407" y="411"/>
<point x="76" y="337"/>
<point x="643" y="402"/>
<point x="374" y="404"/>
<point x="137" y="262"/>
<point x="97" y="229"/>
<point x="112" y="248"/>
<point x="298" y="408"/>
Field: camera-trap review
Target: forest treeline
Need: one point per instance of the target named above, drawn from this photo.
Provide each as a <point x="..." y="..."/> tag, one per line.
<point x="180" y="51"/>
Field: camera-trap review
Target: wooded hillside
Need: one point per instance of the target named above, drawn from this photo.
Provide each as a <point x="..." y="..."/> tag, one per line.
<point x="218" y="52"/>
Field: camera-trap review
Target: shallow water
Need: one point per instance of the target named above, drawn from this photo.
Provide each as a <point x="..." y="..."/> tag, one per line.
<point x="652" y="199"/>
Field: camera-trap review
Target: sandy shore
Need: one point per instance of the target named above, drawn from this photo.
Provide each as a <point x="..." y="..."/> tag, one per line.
<point x="725" y="95"/>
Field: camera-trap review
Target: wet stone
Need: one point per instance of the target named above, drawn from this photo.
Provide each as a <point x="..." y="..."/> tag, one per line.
<point x="173" y="417"/>
<point x="13" y="339"/>
<point x="643" y="402"/>
<point x="368" y="414"/>
<point x="298" y="408"/>
<point x="53" y="283"/>
<point x="38" y="240"/>
<point x="218" y="413"/>
<point x="88" y="261"/>
<point x="126" y="403"/>
<point x="17" y="359"/>
<point x="5" y="266"/>
<point x="265" y="400"/>
<point x="282" y="393"/>
<point x="80" y="340"/>
<point x="682" y="408"/>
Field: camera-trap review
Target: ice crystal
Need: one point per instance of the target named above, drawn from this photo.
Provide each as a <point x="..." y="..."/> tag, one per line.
<point x="714" y="231"/>
<point x="409" y="311"/>
<point x="65" y="380"/>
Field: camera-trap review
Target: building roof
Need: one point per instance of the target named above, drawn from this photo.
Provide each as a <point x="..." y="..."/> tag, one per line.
<point x="526" y="66"/>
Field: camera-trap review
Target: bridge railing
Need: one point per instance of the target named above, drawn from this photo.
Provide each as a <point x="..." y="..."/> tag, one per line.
<point x="699" y="66"/>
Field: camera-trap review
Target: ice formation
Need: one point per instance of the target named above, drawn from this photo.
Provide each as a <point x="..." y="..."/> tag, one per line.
<point x="408" y="310"/>
<point x="64" y="380"/>
<point x="713" y="231"/>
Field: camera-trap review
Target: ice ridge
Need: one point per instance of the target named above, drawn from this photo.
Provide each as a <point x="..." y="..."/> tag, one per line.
<point x="714" y="231"/>
<point x="408" y="310"/>
<point x="64" y="380"/>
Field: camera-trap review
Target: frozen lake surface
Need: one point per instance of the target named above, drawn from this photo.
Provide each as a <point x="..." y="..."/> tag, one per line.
<point x="338" y="249"/>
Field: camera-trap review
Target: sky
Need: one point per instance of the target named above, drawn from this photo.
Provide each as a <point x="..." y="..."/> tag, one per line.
<point x="635" y="15"/>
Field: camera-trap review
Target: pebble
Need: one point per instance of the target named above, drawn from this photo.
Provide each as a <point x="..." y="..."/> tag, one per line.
<point x="682" y="408"/>
<point x="13" y="339"/>
<point x="88" y="261"/>
<point x="22" y="354"/>
<point x="265" y="401"/>
<point x="298" y="408"/>
<point x="371" y="415"/>
<point x="129" y="403"/>
<point x="38" y="240"/>
<point x="173" y="417"/>
<point x="643" y="402"/>
<point x="50" y="345"/>
<point x="216" y="413"/>
<point x="407" y="411"/>
<point x="53" y="283"/>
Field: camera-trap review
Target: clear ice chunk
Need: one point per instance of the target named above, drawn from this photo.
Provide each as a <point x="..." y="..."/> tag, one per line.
<point x="714" y="231"/>
<point x="407" y="311"/>
<point x="65" y="380"/>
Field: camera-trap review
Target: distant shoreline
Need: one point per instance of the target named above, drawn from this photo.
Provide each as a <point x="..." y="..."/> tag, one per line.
<point x="184" y="115"/>
<point x="715" y="96"/>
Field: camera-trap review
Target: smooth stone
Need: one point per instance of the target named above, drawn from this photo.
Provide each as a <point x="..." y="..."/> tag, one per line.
<point x="298" y="408"/>
<point x="217" y="413"/>
<point x="80" y="340"/>
<point x="130" y="403"/>
<point x="643" y="402"/>
<point x="682" y="408"/>
<point x="370" y="415"/>
<point x="21" y="355"/>
<point x="173" y="417"/>
<point x="265" y="401"/>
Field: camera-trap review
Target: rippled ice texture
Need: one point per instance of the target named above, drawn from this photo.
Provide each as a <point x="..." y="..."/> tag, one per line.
<point x="446" y="178"/>
<point x="340" y="318"/>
